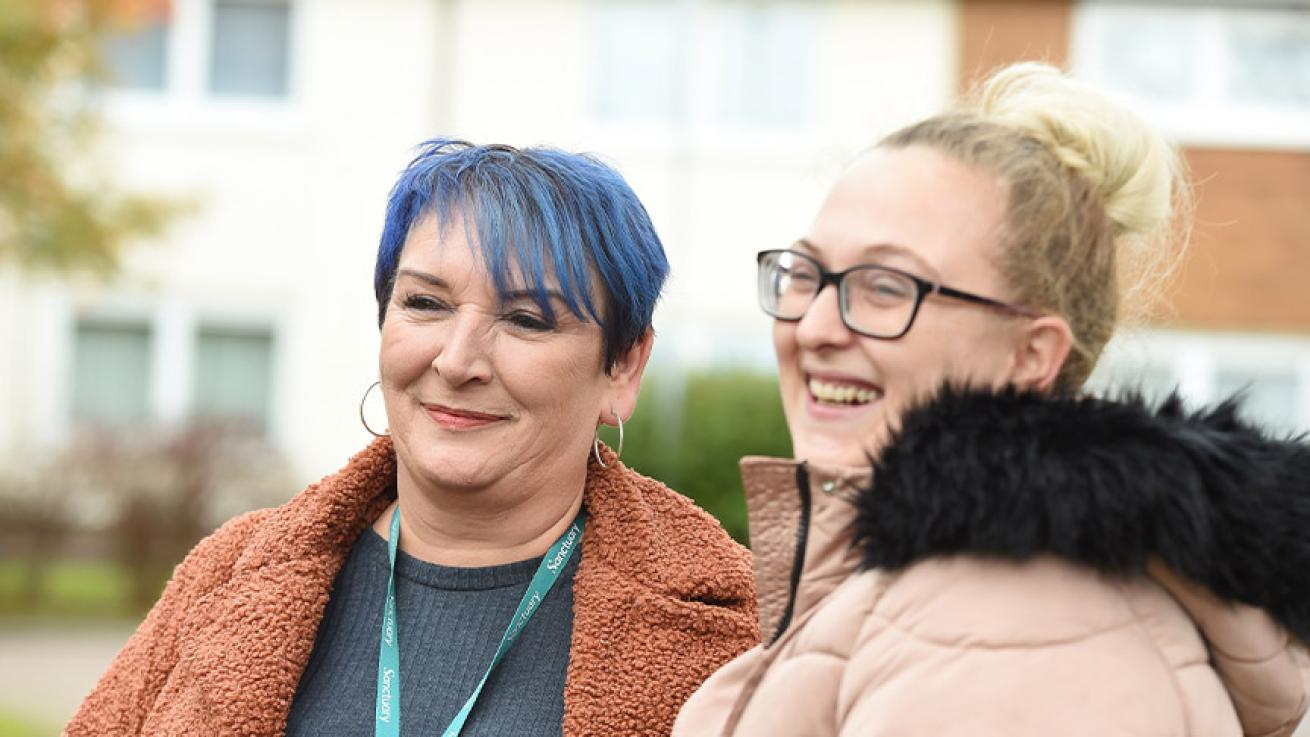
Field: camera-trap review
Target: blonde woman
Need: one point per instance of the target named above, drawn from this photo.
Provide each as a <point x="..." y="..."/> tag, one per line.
<point x="1021" y="559"/>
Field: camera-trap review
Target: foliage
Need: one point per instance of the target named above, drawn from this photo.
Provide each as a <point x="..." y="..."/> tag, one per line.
<point x="139" y="497"/>
<point x="72" y="589"/>
<point x="690" y="431"/>
<point x="17" y="725"/>
<point x="55" y="212"/>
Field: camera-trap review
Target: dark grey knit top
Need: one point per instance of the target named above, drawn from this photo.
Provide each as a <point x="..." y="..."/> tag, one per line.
<point x="450" y="622"/>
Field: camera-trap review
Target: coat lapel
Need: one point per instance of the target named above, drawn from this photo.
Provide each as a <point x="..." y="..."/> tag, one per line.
<point x="662" y="598"/>
<point x="251" y="636"/>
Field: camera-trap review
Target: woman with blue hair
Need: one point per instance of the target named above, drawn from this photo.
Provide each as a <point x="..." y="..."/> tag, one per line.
<point x="486" y="566"/>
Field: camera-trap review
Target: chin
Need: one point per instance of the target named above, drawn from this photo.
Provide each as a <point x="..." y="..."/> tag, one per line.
<point x="833" y="452"/>
<point x="844" y="444"/>
<point x="447" y="468"/>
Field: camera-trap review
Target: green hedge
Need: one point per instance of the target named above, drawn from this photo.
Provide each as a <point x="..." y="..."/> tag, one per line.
<point x="690" y="430"/>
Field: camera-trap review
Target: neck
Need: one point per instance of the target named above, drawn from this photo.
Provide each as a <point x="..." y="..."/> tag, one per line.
<point x="461" y="530"/>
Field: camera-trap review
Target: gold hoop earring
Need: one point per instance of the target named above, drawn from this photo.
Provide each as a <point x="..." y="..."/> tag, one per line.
<point x="363" y="421"/>
<point x="595" y="441"/>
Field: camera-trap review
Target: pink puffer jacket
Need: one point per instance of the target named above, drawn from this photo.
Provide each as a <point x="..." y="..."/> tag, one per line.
<point x="1029" y="566"/>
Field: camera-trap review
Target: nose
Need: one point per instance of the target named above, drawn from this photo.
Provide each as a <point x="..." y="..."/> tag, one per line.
<point x="463" y="355"/>
<point x="821" y="326"/>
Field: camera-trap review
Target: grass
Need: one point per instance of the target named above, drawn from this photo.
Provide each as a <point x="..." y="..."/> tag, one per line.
<point x="15" y="725"/>
<point x="72" y="589"/>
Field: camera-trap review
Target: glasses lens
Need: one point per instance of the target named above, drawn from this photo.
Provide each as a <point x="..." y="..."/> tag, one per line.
<point x="787" y="283"/>
<point x="879" y="302"/>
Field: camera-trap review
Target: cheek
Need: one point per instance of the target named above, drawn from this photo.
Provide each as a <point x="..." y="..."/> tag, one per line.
<point x="967" y="351"/>
<point x="556" y="380"/>
<point x="401" y="356"/>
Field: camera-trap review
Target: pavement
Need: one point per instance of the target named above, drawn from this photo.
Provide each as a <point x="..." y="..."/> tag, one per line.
<point x="46" y="670"/>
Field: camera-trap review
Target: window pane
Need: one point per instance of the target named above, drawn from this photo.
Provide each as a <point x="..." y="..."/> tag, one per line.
<point x="1270" y="399"/>
<point x="637" y="62"/>
<point x="763" y="56"/>
<point x="1271" y="63"/>
<point x="111" y="372"/>
<point x="1152" y="57"/>
<point x="1152" y="381"/>
<point x="250" y="48"/>
<point x="233" y="373"/>
<point x="136" y="58"/>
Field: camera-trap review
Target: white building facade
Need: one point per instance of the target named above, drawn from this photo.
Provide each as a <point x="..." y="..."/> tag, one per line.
<point x="286" y="121"/>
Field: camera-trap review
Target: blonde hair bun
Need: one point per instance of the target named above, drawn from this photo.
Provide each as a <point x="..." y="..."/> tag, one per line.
<point x="1137" y="173"/>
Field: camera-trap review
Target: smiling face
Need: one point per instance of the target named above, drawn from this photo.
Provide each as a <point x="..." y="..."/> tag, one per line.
<point x="482" y="392"/>
<point x="919" y="211"/>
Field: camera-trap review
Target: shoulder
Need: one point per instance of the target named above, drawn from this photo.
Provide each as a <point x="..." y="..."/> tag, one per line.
<point x="213" y="559"/>
<point x="661" y="541"/>
<point x="684" y="532"/>
<point x="1000" y="603"/>
<point x="970" y="633"/>
<point x="968" y="602"/>
<point x="1106" y="484"/>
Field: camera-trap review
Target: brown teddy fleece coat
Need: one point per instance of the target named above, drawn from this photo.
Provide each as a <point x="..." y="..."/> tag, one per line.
<point x="662" y="598"/>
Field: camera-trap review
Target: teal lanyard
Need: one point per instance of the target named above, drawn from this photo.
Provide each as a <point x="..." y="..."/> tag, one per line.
<point x="387" y="717"/>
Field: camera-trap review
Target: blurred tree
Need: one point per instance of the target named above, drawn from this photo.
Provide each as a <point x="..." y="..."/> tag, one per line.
<point x="33" y="526"/>
<point x="690" y="430"/>
<point x="56" y="214"/>
<point x="139" y="498"/>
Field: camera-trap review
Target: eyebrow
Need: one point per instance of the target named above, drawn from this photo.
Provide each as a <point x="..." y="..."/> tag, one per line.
<point x="876" y="249"/>
<point x="516" y="294"/>
<point x="422" y="276"/>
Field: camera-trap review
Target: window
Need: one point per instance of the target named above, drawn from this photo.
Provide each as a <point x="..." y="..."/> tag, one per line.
<point x="638" y="49"/>
<point x="1270" y="63"/>
<point x="197" y="51"/>
<point x="1207" y="75"/>
<point x="1269" y="398"/>
<point x="1152" y="380"/>
<point x="714" y="66"/>
<point x="1272" y="373"/>
<point x="249" y="48"/>
<point x="136" y="58"/>
<point x="1152" y="57"/>
<point x="111" y="372"/>
<point x="233" y="371"/>
<point x="760" y="63"/>
<point x="171" y="367"/>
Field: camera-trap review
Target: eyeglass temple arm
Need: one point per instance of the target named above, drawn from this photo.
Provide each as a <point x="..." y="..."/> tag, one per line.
<point x="967" y="297"/>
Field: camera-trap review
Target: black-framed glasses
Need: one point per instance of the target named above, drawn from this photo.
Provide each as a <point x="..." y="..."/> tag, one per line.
<point x="874" y="301"/>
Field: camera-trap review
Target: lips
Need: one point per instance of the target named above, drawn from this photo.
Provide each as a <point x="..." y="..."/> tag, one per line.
<point x="454" y="418"/>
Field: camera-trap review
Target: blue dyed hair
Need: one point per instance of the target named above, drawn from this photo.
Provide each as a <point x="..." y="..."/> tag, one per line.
<point x="536" y="212"/>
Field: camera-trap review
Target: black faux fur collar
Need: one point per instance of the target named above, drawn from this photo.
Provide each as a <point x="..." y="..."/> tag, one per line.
<point x="1104" y="483"/>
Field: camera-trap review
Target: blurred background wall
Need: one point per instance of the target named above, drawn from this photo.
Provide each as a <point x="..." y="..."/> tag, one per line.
<point x="222" y="366"/>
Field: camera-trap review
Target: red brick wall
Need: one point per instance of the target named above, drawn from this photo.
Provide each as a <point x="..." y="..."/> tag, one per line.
<point x="996" y="32"/>
<point x="1248" y="267"/>
<point x="1249" y="263"/>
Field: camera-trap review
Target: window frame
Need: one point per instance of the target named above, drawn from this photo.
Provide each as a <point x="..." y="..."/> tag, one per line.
<point x="1194" y="361"/>
<point x="186" y="100"/>
<point x="174" y="329"/>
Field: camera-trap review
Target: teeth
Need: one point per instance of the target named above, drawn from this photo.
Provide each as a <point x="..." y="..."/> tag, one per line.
<point x="842" y="393"/>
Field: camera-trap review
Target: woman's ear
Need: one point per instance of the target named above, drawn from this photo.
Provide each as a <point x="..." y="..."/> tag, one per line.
<point x="1043" y="347"/>
<point x="625" y="379"/>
